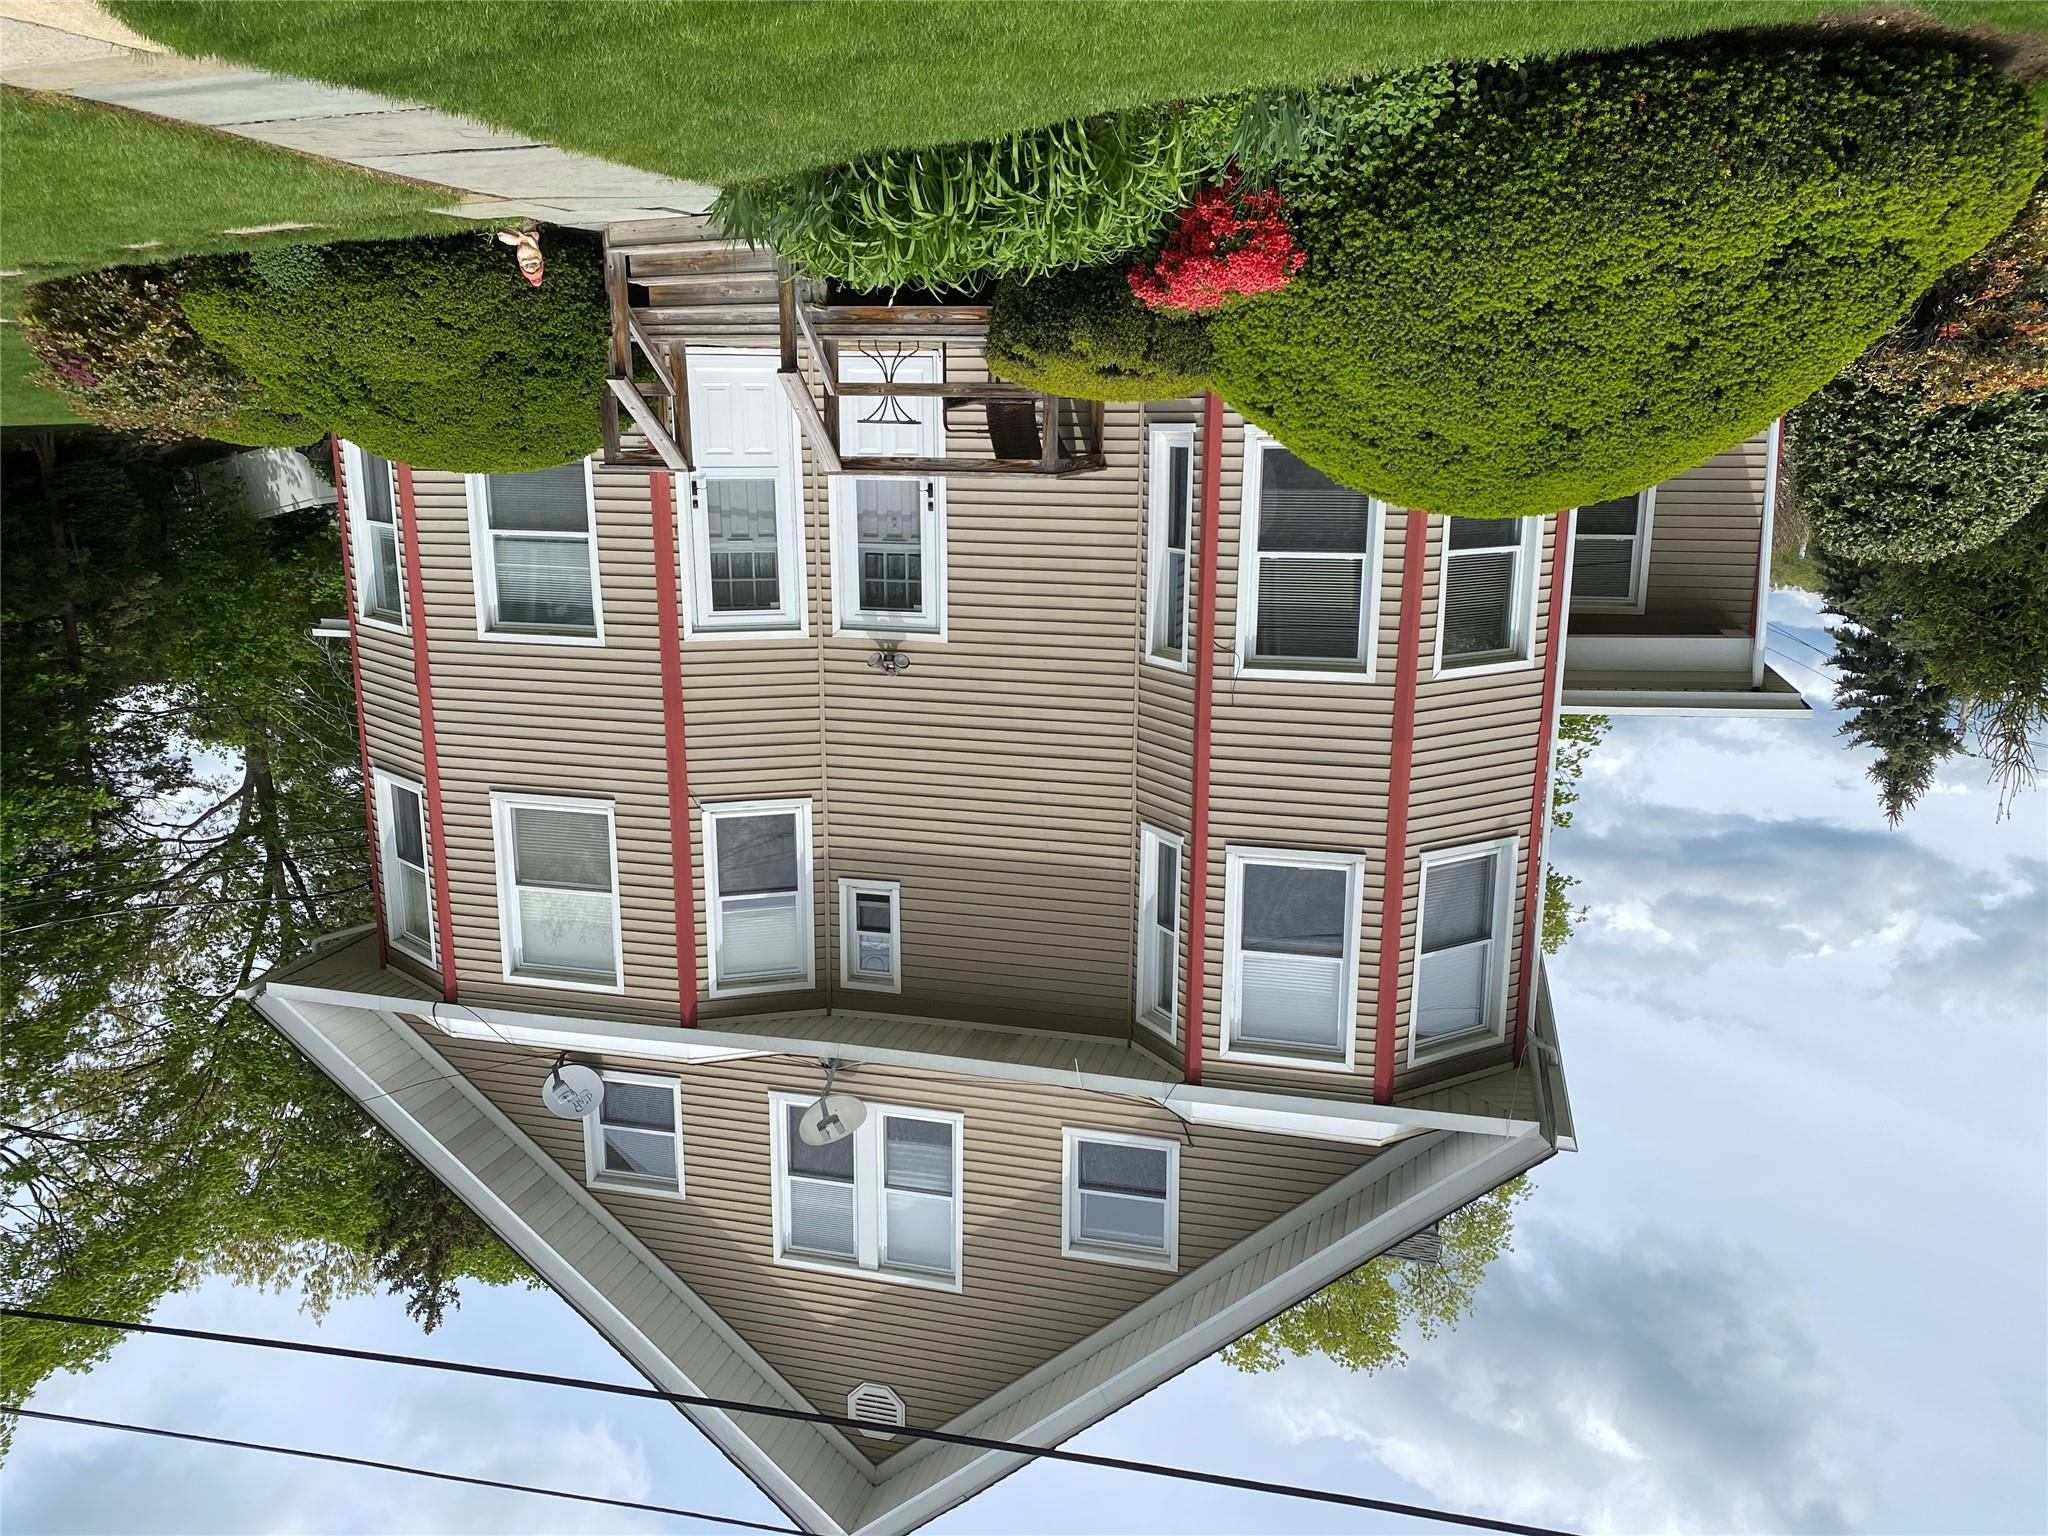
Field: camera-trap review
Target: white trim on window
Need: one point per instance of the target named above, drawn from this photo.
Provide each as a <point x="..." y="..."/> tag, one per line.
<point x="850" y="974"/>
<point x="363" y="540"/>
<point x="801" y="976"/>
<point x="597" y="1176"/>
<point x="1075" y="1245"/>
<point x="390" y="860"/>
<point x="1164" y="594"/>
<point x="1257" y="444"/>
<point x="1497" y="959"/>
<point x="1159" y="943"/>
<point x="1522" y="654"/>
<point x="1346" y="978"/>
<point x="924" y="436"/>
<point x="510" y="938"/>
<point x="1639" y="563"/>
<point x="483" y="568"/>
<point x="869" y="1219"/>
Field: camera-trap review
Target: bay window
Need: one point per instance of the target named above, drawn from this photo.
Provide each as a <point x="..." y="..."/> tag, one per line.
<point x="558" y="894"/>
<point x="1308" y="572"/>
<point x="1291" y="955"/>
<point x="536" y="543"/>
<point x="1487" y="592"/>
<point x="1460" y="988"/>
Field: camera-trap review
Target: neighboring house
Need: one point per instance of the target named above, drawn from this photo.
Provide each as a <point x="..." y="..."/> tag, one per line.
<point x="1669" y="590"/>
<point x="1174" y="910"/>
<point x="267" y="482"/>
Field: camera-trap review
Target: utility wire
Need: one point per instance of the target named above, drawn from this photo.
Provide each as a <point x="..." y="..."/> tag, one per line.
<point x="392" y="1466"/>
<point x="802" y="1415"/>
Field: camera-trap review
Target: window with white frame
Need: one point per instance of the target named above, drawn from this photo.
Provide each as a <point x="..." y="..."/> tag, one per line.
<point x="1169" y="509"/>
<point x="743" y="548"/>
<point x="374" y="532"/>
<point x="1610" y="552"/>
<point x="635" y="1140"/>
<point x="1159" y="855"/>
<point x="537" y="553"/>
<point x="1460" y="989"/>
<point x="1122" y="1198"/>
<point x="870" y="935"/>
<point x="757" y="874"/>
<point x="884" y="1200"/>
<point x="1291" y="954"/>
<point x="408" y="883"/>
<point x="558" y="895"/>
<point x="1483" y="611"/>
<point x="889" y="548"/>
<point x="1307" y="580"/>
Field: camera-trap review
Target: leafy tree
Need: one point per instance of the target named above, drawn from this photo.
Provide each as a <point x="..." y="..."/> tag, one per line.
<point x="1577" y="737"/>
<point x="182" y="809"/>
<point x="1357" y="1321"/>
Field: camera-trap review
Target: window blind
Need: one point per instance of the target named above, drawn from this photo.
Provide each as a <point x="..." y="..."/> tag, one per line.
<point x="1459" y="906"/>
<point x="1122" y="1195"/>
<point x="917" y="1179"/>
<point x="1604" y="549"/>
<point x="1481" y="577"/>
<point x="543" y="583"/>
<point x="570" y="850"/>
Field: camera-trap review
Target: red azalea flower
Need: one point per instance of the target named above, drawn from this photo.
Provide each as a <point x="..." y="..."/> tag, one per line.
<point x="1230" y="244"/>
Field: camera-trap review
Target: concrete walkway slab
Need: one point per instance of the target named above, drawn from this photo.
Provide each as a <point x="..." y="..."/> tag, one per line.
<point x="496" y="175"/>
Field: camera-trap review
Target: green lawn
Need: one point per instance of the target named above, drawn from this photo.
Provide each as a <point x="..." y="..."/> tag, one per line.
<point x="21" y="403"/>
<point x="717" y="92"/>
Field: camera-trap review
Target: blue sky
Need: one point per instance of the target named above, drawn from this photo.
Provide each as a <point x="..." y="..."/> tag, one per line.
<point x="1796" y="1280"/>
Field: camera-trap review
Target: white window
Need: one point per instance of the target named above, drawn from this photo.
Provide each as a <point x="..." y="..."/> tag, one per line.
<point x="1489" y="588"/>
<point x="1611" y="553"/>
<point x="871" y="935"/>
<point x="1290" y="958"/>
<point x="1170" y="507"/>
<point x="1461" y="966"/>
<point x="402" y="851"/>
<point x="377" y="541"/>
<point x="884" y="1201"/>
<point x="635" y="1140"/>
<point x="743" y="546"/>
<point x="1159" y="856"/>
<point x="558" y="891"/>
<point x="757" y="877"/>
<point x="535" y="543"/>
<point x="1122" y="1199"/>
<point x="1308" y="574"/>
<point x="889" y="531"/>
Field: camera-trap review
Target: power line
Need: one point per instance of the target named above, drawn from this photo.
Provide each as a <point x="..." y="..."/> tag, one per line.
<point x="801" y="1415"/>
<point x="392" y="1466"/>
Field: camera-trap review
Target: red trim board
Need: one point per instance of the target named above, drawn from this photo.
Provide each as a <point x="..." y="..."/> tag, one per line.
<point x="1400" y="769"/>
<point x="430" y="754"/>
<point x="1546" y="750"/>
<point x="355" y="658"/>
<point x="1202" y="634"/>
<point x="668" y="628"/>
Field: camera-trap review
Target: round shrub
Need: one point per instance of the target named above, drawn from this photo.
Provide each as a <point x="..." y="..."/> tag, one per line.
<point x="958" y="215"/>
<point x="116" y="345"/>
<point x="1086" y="335"/>
<point x="1885" y="475"/>
<point x="1595" y="272"/>
<point x="429" y="352"/>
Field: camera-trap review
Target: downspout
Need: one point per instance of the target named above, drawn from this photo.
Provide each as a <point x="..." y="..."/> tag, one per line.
<point x="1203" y="637"/>
<point x="430" y="754"/>
<point x="1546" y="766"/>
<point x="1400" y="768"/>
<point x="668" y="629"/>
<point x="1759" y="624"/>
<point x="355" y="658"/>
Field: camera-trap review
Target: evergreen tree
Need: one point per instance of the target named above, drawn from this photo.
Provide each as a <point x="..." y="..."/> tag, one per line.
<point x="1900" y="713"/>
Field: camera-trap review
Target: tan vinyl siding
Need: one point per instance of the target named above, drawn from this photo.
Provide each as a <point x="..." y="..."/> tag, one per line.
<point x="1704" y="537"/>
<point x="1021" y="1304"/>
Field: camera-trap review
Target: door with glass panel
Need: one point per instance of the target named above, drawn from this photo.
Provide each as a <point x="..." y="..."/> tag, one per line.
<point x="743" y="550"/>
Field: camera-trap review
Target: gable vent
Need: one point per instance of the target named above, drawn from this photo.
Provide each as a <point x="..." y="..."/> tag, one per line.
<point x="873" y="1403"/>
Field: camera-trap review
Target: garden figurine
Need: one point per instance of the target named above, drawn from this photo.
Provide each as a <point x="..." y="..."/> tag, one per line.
<point x="525" y="245"/>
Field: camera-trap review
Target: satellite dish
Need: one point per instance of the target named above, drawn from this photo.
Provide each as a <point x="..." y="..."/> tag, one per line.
<point x="833" y="1118"/>
<point x="572" y="1091"/>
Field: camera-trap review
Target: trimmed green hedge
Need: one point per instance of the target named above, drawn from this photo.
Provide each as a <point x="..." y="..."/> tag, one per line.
<point x="1884" y="474"/>
<point x="1595" y="272"/>
<point x="1086" y="335"/>
<point x="434" y="353"/>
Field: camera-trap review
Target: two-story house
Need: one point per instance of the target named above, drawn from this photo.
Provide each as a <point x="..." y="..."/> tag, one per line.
<point x="1153" y="846"/>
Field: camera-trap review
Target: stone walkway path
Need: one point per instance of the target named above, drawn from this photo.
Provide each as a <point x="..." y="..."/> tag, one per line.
<point x="73" y="47"/>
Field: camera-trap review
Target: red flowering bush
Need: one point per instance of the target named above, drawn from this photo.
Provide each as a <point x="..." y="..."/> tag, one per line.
<point x="1231" y="243"/>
